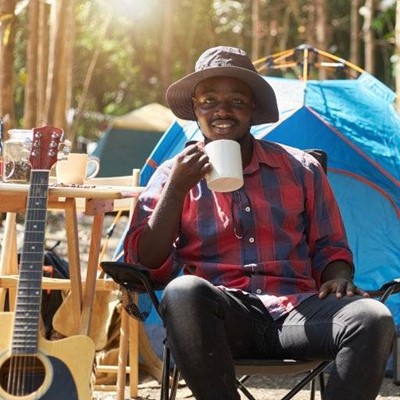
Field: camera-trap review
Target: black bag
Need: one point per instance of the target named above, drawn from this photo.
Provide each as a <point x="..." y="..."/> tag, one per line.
<point x="53" y="267"/>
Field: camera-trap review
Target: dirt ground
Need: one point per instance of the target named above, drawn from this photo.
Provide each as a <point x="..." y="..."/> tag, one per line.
<point x="262" y="388"/>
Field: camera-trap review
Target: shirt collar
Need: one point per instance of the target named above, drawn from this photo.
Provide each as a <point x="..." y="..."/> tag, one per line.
<point x="263" y="153"/>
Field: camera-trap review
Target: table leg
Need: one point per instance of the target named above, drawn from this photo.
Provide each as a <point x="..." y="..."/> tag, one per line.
<point x="9" y="258"/>
<point x="74" y="261"/>
<point x="122" y="355"/>
<point x="91" y="274"/>
<point x="133" y="356"/>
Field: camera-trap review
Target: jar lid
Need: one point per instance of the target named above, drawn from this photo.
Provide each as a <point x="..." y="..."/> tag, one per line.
<point x="20" y="133"/>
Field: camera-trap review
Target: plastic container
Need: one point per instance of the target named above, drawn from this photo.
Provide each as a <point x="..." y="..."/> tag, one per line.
<point x="16" y="152"/>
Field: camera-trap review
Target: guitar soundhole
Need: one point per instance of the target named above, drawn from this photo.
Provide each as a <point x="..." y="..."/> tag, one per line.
<point x="22" y="375"/>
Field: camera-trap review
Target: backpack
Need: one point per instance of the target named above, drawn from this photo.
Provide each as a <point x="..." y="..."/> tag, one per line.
<point x="53" y="267"/>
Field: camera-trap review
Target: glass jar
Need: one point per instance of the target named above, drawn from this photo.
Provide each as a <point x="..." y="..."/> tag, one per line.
<point x="16" y="153"/>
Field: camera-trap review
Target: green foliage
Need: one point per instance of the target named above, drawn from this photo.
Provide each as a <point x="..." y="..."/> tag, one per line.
<point x="127" y="74"/>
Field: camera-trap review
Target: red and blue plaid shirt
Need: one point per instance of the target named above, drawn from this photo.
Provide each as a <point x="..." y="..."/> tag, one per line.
<point x="273" y="237"/>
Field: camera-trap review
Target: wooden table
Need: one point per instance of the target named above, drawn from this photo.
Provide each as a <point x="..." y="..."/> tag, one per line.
<point x="96" y="201"/>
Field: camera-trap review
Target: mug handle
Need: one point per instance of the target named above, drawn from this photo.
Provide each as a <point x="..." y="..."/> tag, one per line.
<point x="96" y="161"/>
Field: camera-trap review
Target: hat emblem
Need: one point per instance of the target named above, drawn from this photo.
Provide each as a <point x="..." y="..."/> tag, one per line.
<point x="216" y="62"/>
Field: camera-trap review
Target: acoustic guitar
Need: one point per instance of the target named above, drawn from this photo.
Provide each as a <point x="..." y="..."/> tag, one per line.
<point x="32" y="367"/>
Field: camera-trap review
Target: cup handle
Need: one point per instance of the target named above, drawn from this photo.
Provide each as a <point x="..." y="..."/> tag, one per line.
<point x="97" y="167"/>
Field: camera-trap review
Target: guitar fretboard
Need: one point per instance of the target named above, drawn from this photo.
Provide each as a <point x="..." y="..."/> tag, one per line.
<point x="29" y="292"/>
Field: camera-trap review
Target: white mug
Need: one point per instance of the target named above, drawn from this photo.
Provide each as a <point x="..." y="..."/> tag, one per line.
<point x="227" y="170"/>
<point x="72" y="169"/>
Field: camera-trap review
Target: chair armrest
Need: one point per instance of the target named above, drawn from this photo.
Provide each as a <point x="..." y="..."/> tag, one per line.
<point x="131" y="277"/>
<point x="386" y="290"/>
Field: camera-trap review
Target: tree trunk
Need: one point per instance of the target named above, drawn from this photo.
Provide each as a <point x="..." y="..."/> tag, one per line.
<point x="284" y="31"/>
<point x="88" y="79"/>
<point x="7" y="35"/>
<point x="311" y="24"/>
<point x="57" y="75"/>
<point x="70" y="56"/>
<point x="43" y="61"/>
<point x="320" y="13"/>
<point x="255" y="19"/>
<point x="355" y="32"/>
<point x="31" y="92"/>
<point x="321" y="36"/>
<point x="166" y="45"/>
<point x="369" y="38"/>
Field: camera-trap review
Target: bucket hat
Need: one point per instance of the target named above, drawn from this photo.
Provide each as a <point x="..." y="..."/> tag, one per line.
<point x="230" y="62"/>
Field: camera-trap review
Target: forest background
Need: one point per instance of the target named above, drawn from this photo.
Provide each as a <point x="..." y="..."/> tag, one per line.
<point x="77" y="63"/>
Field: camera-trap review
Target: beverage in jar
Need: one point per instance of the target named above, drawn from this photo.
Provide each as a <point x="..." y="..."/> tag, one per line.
<point x="16" y="152"/>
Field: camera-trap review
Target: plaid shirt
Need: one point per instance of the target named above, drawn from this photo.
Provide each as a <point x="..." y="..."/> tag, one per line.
<point x="273" y="237"/>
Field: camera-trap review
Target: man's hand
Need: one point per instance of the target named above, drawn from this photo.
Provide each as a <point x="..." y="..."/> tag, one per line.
<point x="338" y="278"/>
<point x="342" y="287"/>
<point x="191" y="165"/>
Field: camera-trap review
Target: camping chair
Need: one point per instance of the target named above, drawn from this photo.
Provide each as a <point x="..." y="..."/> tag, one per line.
<point x="135" y="280"/>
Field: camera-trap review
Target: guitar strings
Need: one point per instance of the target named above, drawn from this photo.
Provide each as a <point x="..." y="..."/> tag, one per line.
<point x="24" y="368"/>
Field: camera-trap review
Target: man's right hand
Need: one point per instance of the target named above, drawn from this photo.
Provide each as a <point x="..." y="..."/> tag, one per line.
<point x="190" y="166"/>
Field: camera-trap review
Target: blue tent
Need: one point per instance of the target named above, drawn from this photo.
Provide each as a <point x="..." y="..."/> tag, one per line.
<point x="355" y="123"/>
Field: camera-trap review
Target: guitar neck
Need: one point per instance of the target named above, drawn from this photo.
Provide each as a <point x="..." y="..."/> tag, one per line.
<point x="29" y="293"/>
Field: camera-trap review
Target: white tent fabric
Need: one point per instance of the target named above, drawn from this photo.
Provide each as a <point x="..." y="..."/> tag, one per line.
<point x="151" y="117"/>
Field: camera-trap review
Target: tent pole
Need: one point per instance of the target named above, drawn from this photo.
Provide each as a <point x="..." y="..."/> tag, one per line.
<point x="305" y="65"/>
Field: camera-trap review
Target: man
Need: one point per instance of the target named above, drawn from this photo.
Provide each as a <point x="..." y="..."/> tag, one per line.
<point x="267" y="268"/>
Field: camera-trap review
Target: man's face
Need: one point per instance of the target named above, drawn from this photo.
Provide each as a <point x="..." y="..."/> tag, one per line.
<point x="223" y="107"/>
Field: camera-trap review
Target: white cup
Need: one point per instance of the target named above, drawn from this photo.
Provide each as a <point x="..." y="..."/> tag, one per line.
<point x="73" y="168"/>
<point x="226" y="160"/>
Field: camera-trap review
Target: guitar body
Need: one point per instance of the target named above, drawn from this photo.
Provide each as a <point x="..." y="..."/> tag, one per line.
<point x="68" y="366"/>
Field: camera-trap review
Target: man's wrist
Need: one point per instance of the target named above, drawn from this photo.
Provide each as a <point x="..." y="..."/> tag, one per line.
<point x="338" y="269"/>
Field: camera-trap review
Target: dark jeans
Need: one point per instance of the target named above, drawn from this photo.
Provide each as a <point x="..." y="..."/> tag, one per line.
<point x="207" y="327"/>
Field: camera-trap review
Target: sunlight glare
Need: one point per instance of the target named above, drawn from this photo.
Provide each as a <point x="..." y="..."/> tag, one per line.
<point x="130" y="8"/>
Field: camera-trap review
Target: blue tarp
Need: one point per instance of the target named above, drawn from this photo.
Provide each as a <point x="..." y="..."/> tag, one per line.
<point x="355" y="123"/>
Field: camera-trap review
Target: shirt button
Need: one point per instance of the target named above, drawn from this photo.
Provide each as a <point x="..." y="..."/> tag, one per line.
<point x="251" y="240"/>
<point x="248" y="209"/>
<point x="258" y="291"/>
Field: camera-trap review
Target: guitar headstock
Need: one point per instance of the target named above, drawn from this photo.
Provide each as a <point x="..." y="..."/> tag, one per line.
<point x="45" y="144"/>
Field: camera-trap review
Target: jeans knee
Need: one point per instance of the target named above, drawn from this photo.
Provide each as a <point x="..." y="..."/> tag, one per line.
<point x="374" y="320"/>
<point x="185" y="292"/>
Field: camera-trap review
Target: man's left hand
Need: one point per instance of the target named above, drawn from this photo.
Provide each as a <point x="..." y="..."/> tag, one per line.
<point x="341" y="287"/>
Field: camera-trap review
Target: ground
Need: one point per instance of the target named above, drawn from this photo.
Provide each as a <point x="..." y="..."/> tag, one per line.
<point x="265" y="388"/>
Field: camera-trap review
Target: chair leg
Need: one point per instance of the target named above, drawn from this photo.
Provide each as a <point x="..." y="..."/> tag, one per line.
<point x="165" y="374"/>
<point x="322" y="384"/>
<point x="174" y="383"/>
<point x="312" y="389"/>
<point x="169" y="385"/>
<point x="308" y="378"/>
<point x="243" y="389"/>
